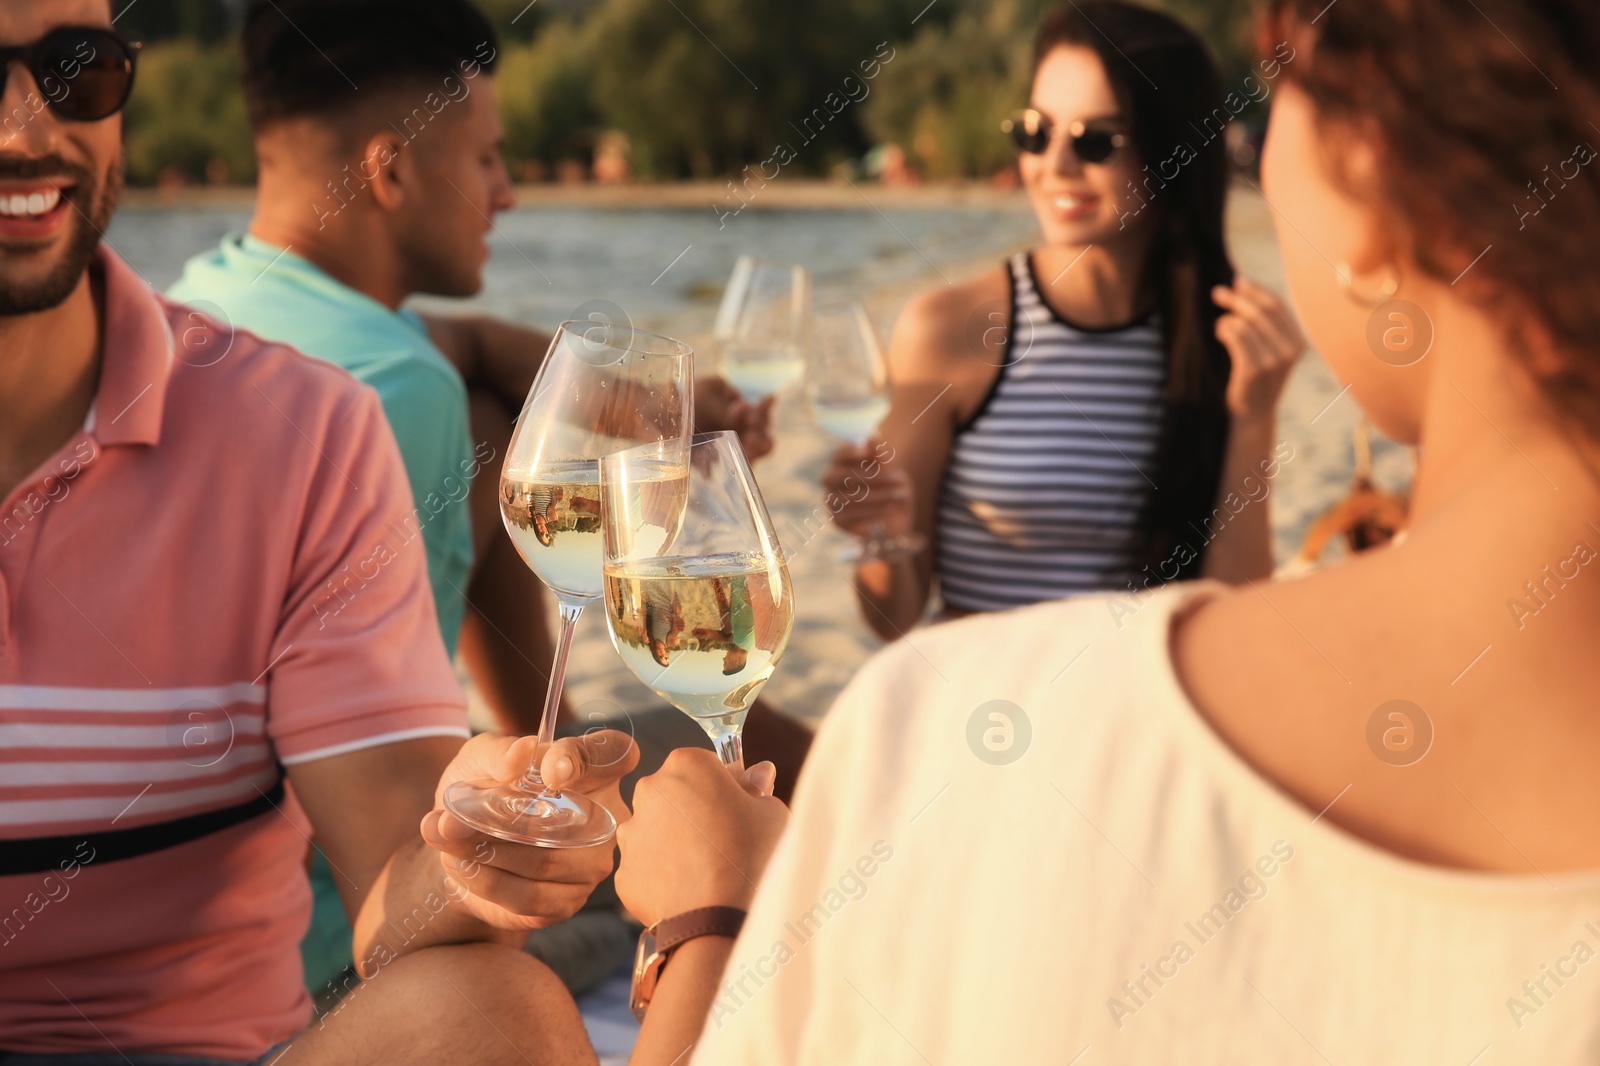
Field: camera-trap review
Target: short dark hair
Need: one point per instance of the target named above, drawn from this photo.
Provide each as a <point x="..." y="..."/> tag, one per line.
<point x="322" y="57"/>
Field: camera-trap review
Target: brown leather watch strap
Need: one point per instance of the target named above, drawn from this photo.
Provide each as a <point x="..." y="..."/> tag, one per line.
<point x="705" y="921"/>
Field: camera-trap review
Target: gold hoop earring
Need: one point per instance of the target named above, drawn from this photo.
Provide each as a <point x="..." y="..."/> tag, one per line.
<point x="1386" y="291"/>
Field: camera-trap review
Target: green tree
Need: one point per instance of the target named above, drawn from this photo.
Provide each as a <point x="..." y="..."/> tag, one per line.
<point x="186" y="112"/>
<point x="707" y="86"/>
<point x="546" y="93"/>
<point x="209" y="21"/>
<point x="944" y="95"/>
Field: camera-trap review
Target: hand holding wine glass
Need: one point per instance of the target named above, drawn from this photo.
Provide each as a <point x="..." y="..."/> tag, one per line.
<point x="699" y="837"/>
<point x="718" y="406"/>
<point x="528" y="887"/>
<point x="848" y="388"/>
<point x="698" y="598"/>
<point x="603" y="387"/>
<point x="869" y="497"/>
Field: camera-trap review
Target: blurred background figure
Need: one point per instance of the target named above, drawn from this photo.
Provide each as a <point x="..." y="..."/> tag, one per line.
<point x="1076" y="419"/>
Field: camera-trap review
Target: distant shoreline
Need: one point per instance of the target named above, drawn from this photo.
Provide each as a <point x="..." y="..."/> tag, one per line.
<point x="786" y="195"/>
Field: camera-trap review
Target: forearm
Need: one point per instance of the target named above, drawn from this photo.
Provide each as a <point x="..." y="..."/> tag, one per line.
<point x="415" y="904"/>
<point x="682" y="1001"/>
<point x="508" y="357"/>
<point x="491" y="354"/>
<point x="1242" y="549"/>
<point x="893" y="595"/>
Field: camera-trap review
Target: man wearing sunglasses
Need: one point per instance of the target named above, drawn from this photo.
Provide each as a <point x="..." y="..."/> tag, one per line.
<point x="181" y="705"/>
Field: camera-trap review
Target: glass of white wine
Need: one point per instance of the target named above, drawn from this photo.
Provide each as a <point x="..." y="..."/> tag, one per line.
<point x="847" y="387"/>
<point x="603" y="387"/>
<point x="847" y="377"/>
<point x="764" y="351"/>
<point x="698" y="598"/>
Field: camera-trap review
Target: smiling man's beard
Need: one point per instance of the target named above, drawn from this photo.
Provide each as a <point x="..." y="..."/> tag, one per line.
<point x="26" y="298"/>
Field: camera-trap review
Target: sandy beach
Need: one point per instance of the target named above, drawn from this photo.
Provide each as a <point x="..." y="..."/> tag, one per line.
<point x="830" y="641"/>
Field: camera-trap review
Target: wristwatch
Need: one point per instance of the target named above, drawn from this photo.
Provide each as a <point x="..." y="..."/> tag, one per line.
<point x="658" y="942"/>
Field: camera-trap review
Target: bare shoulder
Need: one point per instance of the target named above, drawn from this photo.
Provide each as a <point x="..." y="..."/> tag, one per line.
<point x="953" y="328"/>
<point x="950" y="342"/>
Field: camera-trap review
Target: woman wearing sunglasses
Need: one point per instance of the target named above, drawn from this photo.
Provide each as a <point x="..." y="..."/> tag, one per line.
<point x="1098" y="412"/>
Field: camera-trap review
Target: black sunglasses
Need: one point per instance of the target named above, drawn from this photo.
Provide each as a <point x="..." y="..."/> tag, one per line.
<point x="1032" y="131"/>
<point x="84" y="72"/>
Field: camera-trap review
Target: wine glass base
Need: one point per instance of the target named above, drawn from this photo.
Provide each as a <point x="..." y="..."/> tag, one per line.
<point x="546" y="819"/>
<point x="886" y="549"/>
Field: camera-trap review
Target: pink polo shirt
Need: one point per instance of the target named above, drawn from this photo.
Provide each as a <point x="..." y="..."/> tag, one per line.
<point x="214" y="579"/>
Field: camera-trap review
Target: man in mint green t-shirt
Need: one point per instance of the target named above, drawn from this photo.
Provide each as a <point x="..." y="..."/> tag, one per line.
<point x="260" y="287"/>
<point x="331" y="285"/>
<point x="363" y="200"/>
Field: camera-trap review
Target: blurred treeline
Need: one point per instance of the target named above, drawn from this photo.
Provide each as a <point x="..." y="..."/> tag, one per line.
<point x="583" y="83"/>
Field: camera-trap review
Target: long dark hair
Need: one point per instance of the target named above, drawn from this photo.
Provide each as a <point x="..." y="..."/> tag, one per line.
<point x="1167" y="86"/>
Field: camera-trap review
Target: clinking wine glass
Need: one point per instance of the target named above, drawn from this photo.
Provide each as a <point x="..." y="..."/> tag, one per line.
<point x="603" y="387"/>
<point x="764" y="314"/>
<point x="847" y="387"/>
<point x="698" y="598"/>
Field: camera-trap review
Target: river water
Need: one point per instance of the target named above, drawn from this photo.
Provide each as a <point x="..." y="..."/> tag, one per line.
<point x="660" y="265"/>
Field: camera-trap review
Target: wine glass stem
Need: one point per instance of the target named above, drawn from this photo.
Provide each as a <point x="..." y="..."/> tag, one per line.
<point x="552" y="697"/>
<point x="730" y="749"/>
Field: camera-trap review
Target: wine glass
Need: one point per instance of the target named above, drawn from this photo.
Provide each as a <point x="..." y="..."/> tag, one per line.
<point x="764" y="350"/>
<point x="698" y="598"/>
<point x="603" y="387"/>
<point x="847" y="386"/>
<point x="727" y="320"/>
<point x="847" y="377"/>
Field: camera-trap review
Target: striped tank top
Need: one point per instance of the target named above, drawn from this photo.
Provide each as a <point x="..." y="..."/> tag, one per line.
<point x="1046" y="479"/>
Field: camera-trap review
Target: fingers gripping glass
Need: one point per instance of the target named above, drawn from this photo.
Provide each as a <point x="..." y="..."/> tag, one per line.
<point x="602" y="388"/>
<point x="1032" y="132"/>
<point x="83" y="72"/>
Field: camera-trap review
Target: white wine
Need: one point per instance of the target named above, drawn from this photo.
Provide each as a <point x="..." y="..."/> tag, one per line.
<point x="554" y="520"/>
<point x="758" y="374"/>
<point x="851" y="420"/>
<point x="705" y="633"/>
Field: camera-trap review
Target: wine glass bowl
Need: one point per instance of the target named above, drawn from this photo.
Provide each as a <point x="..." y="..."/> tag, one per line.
<point x="603" y="387"/>
<point x="698" y="598"/>
<point x="764" y="349"/>
<point x="847" y="377"/>
<point x="848" y="390"/>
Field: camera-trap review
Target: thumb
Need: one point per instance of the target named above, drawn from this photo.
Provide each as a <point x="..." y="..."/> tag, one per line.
<point x="760" y="779"/>
<point x="589" y="762"/>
